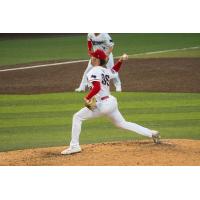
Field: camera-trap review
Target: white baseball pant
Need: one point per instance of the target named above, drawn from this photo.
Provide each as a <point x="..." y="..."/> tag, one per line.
<point x="109" y="108"/>
<point x="110" y="64"/>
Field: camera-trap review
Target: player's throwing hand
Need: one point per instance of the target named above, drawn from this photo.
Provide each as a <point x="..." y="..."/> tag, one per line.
<point x="124" y="57"/>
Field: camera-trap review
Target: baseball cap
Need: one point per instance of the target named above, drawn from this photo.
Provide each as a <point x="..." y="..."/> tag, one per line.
<point x="100" y="54"/>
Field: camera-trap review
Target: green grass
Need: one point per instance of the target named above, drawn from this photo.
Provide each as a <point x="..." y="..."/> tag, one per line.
<point x="140" y="43"/>
<point x="27" y="50"/>
<point x="29" y="121"/>
<point x="16" y="51"/>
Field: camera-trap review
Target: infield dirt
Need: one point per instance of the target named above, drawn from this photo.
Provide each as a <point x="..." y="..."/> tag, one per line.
<point x="130" y="153"/>
<point x="154" y="75"/>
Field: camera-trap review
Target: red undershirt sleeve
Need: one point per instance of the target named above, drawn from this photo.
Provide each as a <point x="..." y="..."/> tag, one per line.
<point x="96" y="88"/>
<point x="117" y="66"/>
<point x="89" y="45"/>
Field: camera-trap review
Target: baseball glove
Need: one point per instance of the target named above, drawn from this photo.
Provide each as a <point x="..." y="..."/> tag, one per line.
<point x="91" y="104"/>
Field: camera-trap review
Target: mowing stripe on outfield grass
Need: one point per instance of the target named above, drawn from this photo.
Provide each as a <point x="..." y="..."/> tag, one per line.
<point x="53" y="114"/>
<point x="75" y="107"/>
<point x="30" y="121"/>
<point x="79" y="61"/>
<point x="131" y="116"/>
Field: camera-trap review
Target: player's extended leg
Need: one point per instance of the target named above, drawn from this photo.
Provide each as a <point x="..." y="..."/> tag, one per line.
<point x="83" y="83"/>
<point x="78" y="118"/>
<point x="120" y="122"/>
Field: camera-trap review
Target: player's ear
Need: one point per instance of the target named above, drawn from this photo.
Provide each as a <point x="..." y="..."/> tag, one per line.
<point x="99" y="62"/>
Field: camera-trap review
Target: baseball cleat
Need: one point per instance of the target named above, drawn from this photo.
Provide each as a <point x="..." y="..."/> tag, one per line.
<point x="156" y="136"/>
<point x="79" y="90"/>
<point x="71" y="150"/>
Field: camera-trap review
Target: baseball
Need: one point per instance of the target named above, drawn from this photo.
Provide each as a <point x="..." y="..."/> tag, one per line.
<point x="125" y="57"/>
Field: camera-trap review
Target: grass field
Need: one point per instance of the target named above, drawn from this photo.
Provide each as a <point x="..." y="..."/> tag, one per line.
<point x="28" y="121"/>
<point x="27" y="50"/>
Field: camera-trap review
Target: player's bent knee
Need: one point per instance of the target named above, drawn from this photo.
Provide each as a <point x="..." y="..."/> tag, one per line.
<point x="120" y="124"/>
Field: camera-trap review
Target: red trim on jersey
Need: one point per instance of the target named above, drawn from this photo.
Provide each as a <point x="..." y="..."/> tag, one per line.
<point x="117" y="66"/>
<point x="89" y="45"/>
<point x="96" y="88"/>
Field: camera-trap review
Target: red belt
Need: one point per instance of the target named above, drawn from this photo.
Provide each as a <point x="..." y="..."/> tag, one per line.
<point x="103" y="98"/>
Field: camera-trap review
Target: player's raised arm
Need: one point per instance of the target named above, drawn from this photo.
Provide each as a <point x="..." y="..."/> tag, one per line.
<point x="118" y="64"/>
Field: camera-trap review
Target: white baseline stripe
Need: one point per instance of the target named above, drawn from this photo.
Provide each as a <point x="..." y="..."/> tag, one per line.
<point x="164" y="51"/>
<point x="79" y="61"/>
<point x="44" y="65"/>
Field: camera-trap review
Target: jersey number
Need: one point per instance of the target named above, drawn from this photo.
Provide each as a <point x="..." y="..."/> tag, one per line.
<point x="105" y="79"/>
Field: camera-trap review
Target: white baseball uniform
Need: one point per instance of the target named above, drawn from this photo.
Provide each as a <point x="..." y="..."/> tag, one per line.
<point x="102" y="41"/>
<point x="106" y="105"/>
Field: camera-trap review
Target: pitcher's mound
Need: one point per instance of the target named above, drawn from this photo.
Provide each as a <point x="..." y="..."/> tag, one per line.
<point x="145" y="152"/>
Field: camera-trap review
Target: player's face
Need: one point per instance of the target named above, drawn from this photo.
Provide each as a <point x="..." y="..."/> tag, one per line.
<point x="95" y="61"/>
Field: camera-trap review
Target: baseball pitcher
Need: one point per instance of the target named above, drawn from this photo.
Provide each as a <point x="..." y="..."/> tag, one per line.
<point x="104" y="42"/>
<point x="100" y="102"/>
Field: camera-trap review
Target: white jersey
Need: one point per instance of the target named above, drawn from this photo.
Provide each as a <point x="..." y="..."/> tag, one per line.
<point x="102" y="41"/>
<point x="103" y="76"/>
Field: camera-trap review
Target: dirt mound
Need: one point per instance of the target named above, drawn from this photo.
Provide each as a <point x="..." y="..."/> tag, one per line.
<point x="154" y="75"/>
<point x="145" y="152"/>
